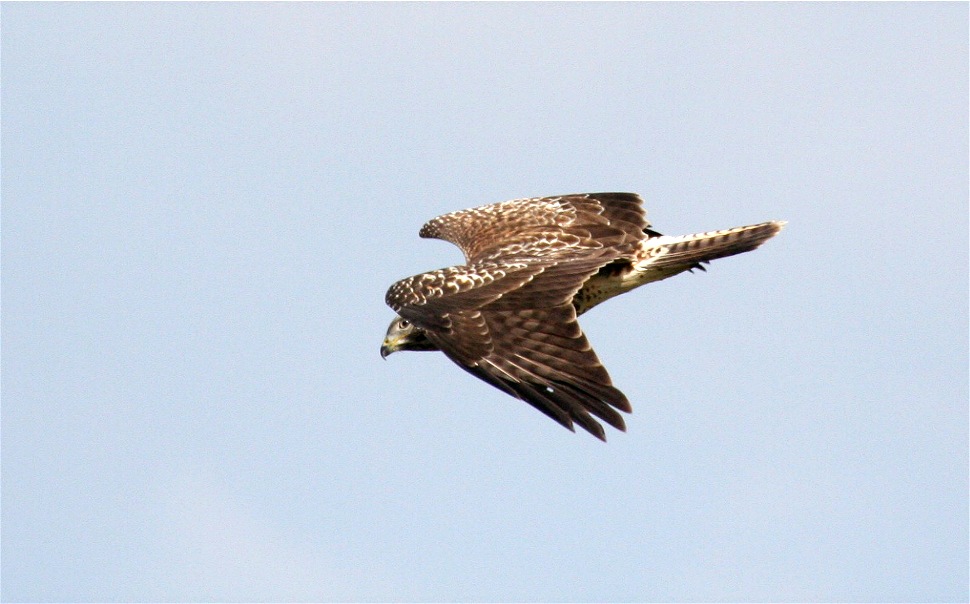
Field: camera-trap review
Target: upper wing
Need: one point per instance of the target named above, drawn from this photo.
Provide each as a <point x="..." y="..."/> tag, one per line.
<point x="543" y="226"/>
<point x="522" y="254"/>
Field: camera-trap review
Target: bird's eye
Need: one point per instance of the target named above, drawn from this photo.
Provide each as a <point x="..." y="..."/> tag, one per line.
<point x="404" y="324"/>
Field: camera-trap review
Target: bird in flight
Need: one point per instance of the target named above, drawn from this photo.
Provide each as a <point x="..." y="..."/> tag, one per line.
<point x="508" y="316"/>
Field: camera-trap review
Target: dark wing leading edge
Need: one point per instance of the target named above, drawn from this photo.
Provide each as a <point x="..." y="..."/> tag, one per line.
<point x="506" y="317"/>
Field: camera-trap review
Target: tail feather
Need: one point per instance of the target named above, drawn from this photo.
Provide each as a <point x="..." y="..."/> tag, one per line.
<point x="666" y="256"/>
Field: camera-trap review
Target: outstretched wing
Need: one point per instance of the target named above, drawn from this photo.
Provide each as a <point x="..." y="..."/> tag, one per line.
<point x="543" y="226"/>
<point x="506" y="317"/>
<point x="539" y="355"/>
<point x="543" y="358"/>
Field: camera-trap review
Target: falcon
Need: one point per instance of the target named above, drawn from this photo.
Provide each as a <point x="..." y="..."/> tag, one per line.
<point x="509" y="315"/>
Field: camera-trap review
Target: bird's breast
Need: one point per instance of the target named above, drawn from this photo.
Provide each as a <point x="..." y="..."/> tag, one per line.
<point x="611" y="280"/>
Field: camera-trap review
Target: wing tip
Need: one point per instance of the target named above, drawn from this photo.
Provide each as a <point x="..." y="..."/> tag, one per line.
<point x="429" y="230"/>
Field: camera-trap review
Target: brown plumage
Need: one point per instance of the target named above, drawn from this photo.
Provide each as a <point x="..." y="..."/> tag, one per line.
<point x="508" y="316"/>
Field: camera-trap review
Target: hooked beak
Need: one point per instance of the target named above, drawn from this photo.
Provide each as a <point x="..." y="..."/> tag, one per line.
<point x="390" y="345"/>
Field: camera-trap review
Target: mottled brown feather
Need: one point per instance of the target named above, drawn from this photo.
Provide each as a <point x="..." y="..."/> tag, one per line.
<point x="508" y="316"/>
<point x="518" y="227"/>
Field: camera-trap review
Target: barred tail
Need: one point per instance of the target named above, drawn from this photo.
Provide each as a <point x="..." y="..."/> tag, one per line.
<point x="665" y="256"/>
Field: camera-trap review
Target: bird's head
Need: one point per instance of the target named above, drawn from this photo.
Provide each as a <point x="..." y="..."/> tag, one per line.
<point x="405" y="335"/>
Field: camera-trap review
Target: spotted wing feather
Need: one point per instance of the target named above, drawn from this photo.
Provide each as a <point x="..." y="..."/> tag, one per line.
<point x="545" y="226"/>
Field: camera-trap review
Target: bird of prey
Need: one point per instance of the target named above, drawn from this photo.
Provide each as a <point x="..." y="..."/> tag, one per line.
<point x="508" y="316"/>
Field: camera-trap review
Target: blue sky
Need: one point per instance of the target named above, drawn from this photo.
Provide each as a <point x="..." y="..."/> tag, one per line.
<point x="203" y="205"/>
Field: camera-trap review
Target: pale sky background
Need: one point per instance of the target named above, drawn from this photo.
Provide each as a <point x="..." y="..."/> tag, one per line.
<point x="203" y="205"/>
